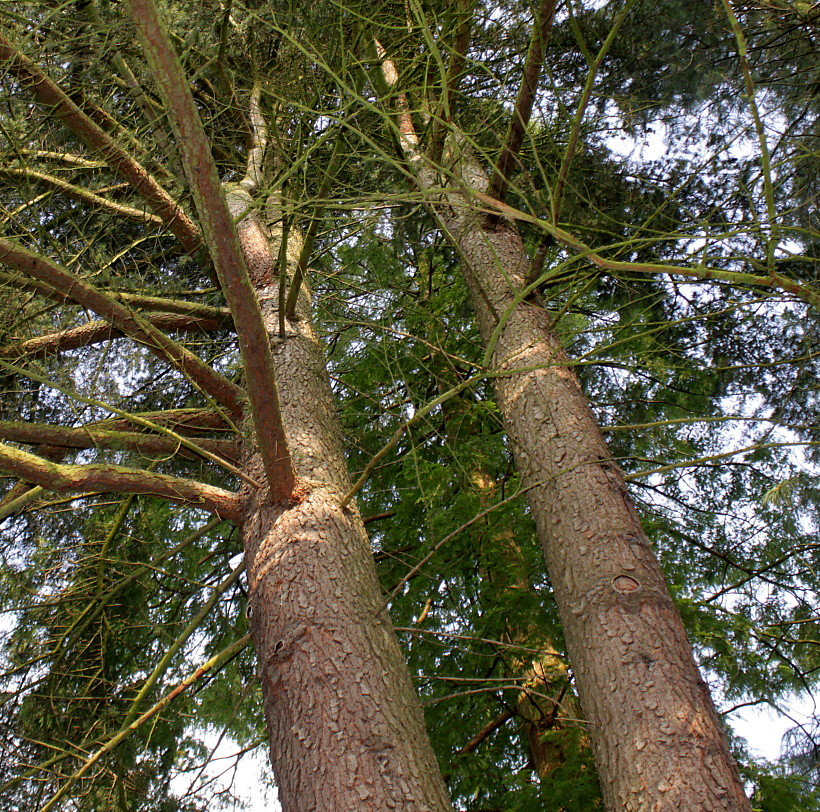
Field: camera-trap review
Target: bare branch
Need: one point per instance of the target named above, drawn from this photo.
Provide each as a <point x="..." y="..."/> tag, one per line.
<point x="223" y="243"/>
<point x="776" y="281"/>
<point x="524" y="102"/>
<point x="125" y="320"/>
<point x="486" y="732"/>
<point x="457" y="59"/>
<point x="94" y="437"/>
<point x="97" y="331"/>
<point x="79" y="193"/>
<point x="117" y="479"/>
<point x="50" y="95"/>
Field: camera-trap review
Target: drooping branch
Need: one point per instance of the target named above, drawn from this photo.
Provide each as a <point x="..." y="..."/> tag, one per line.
<point x="117" y="479"/>
<point x="776" y="281"/>
<point x="214" y="663"/>
<point x="97" y="331"/>
<point x="524" y="102"/>
<point x="123" y="319"/>
<point x="50" y="95"/>
<point x="95" y="437"/>
<point x="79" y="193"/>
<point x="223" y="243"/>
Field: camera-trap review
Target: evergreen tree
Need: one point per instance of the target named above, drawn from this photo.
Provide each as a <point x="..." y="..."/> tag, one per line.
<point x="438" y="188"/>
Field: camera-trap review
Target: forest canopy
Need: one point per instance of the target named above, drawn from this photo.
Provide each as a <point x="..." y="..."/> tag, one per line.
<point x="478" y="319"/>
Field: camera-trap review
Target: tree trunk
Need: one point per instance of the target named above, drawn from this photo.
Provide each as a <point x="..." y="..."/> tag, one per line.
<point x="656" y="736"/>
<point x="344" y="723"/>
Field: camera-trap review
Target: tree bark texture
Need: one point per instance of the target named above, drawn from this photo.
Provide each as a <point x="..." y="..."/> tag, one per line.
<point x="656" y="736"/>
<point x="345" y="726"/>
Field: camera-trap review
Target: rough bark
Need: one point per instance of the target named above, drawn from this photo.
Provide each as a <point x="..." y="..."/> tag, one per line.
<point x="116" y="479"/>
<point x="344" y="723"/>
<point x="656" y="736"/>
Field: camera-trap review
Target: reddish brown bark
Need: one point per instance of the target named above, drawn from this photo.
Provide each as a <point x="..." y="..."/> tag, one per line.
<point x="524" y="101"/>
<point x="657" y="739"/>
<point x="217" y="221"/>
<point x="345" y="727"/>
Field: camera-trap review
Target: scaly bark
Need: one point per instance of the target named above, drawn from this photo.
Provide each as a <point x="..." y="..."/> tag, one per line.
<point x="345" y="727"/>
<point x="344" y="723"/>
<point x="656" y="736"/>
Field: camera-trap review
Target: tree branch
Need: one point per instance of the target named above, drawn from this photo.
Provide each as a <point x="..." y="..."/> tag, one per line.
<point x="117" y="479"/>
<point x="485" y="732"/>
<point x="223" y="243"/>
<point x="217" y="661"/>
<point x="125" y="320"/>
<point x="49" y="94"/>
<point x="94" y="437"/>
<point x="97" y="331"/>
<point x="133" y="300"/>
<point x="575" y="131"/>
<point x="80" y="194"/>
<point x="776" y="281"/>
<point x="444" y="115"/>
<point x="187" y="420"/>
<point x="524" y="102"/>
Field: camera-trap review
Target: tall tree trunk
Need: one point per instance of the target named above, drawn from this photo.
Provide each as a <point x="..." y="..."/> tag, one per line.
<point x="656" y="736"/>
<point x="345" y="726"/>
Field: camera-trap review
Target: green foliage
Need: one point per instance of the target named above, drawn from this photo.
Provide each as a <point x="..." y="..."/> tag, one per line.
<point x="681" y="372"/>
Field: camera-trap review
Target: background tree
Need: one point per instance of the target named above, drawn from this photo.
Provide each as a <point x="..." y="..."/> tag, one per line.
<point x="677" y="286"/>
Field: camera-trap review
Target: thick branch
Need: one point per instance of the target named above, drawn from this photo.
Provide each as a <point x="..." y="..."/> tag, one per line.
<point x="97" y="331"/>
<point x="524" y="102"/>
<point x="49" y="94"/>
<point x="117" y="479"/>
<point x="139" y="301"/>
<point x="125" y="320"/>
<point x="223" y="244"/>
<point x="485" y="732"/>
<point x="189" y="421"/>
<point x="94" y="437"/>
